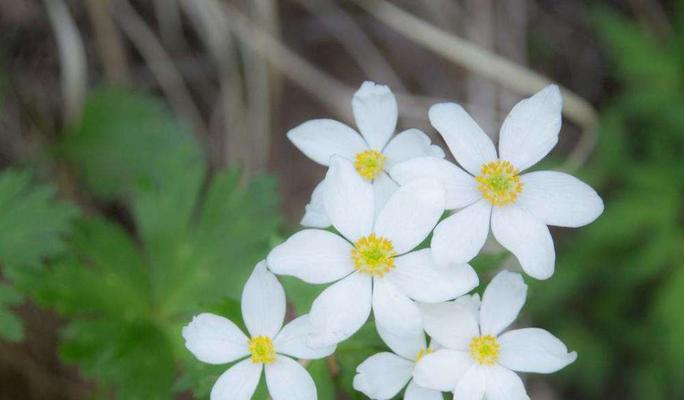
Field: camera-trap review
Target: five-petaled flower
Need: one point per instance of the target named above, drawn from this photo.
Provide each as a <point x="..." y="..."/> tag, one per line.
<point x="494" y="192"/>
<point x="372" y="152"/>
<point x="476" y="359"/>
<point x="371" y="261"/>
<point x="382" y="375"/>
<point x="217" y="340"/>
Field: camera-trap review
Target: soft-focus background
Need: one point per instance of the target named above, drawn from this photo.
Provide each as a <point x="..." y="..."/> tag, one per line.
<point x="145" y="170"/>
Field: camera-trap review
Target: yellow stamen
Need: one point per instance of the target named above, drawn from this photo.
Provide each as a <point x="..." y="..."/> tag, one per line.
<point x="422" y="353"/>
<point x="485" y="350"/>
<point x="500" y="183"/>
<point x="262" y="350"/>
<point x="373" y="255"/>
<point x="369" y="163"/>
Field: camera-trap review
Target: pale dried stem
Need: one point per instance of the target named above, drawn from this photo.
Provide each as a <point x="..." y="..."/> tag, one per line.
<point x="109" y="45"/>
<point x="71" y="57"/>
<point x="170" y="23"/>
<point x="331" y="93"/>
<point x="258" y="83"/>
<point x="491" y="66"/>
<point x="211" y="24"/>
<point x="355" y="41"/>
<point x="160" y="63"/>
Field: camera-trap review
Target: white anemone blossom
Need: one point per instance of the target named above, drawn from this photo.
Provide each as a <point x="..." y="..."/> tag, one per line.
<point x="476" y="359"/>
<point x="493" y="192"/>
<point x="371" y="261"/>
<point x="372" y="152"/>
<point x="217" y="340"/>
<point x="382" y="375"/>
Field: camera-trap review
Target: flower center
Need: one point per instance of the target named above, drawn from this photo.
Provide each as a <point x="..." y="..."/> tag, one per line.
<point x="484" y="349"/>
<point x="262" y="350"/>
<point x="373" y="255"/>
<point x="369" y="163"/>
<point x="422" y="353"/>
<point x="499" y="182"/>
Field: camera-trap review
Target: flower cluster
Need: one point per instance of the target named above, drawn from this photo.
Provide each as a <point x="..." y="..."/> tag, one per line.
<point x="367" y="224"/>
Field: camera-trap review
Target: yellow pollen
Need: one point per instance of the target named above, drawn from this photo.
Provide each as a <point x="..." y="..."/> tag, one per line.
<point x="262" y="350"/>
<point x="369" y="163"/>
<point x="485" y="350"/>
<point x="373" y="255"/>
<point x="500" y="183"/>
<point x="422" y="353"/>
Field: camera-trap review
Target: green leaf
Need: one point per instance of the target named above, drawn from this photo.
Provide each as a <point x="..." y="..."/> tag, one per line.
<point x="136" y="354"/>
<point x="32" y="223"/>
<point x="188" y="250"/>
<point x="639" y="57"/>
<point x="127" y="141"/>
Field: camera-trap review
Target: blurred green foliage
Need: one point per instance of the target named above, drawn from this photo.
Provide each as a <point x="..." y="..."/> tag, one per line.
<point x="188" y="243"/>
<point x="32" y="226"/>
<point x="618" y="292"/>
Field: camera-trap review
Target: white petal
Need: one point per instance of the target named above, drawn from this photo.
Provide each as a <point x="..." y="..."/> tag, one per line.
<point x="314" y="212"/>
<point x="287" y="380"/>
<point x="437" y="151"/>
<point x="468" y="143"/>
<point x="527" y="238"/>
<point x="214" y="339"/>
<point x="556" y="198"/>
<point x="292" y="341"/>
<point x="312" y="255"/>
<point x="459" y="186"/>
<point x="501" y="302"/>
<point x="405" y="345"/>
<point x="340" y="310"/>
<point x="349" y="200"/>
<point x="417" y="275"/>
<point x="460" y="237"/>
<point x="409" y="144"/>
<point x="531" y="129"/>
<point x="398" y="320"/>
<point x="320" y="139"/>
<point x="394" y="312"/>
<point x="416" y="392"/>
<point x="382" y="375"/>
<point x="533" y="350"/>
<point x="504" y="384"/>
<point x="472" y="384"/>
<point x="375" y="111"/>
<point x="442" y="369"/>
<point x="410" y="214"/>
<point x="263" y="303"/>
<point x="238" y="383"/>
<point x="383" y="187"/>
<point x="452" y="324"/>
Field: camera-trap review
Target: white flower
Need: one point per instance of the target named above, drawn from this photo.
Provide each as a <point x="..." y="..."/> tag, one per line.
<point x="371" y="263"/>
<point x="217" y="340"/>
<point x="381" y="376"/>
<point x="477" y="359"/>
<point x="372" y="152"/>
<point x="518" y="207"/>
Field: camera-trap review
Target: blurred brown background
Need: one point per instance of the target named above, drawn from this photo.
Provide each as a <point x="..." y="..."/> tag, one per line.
<point x="242" y="73"/>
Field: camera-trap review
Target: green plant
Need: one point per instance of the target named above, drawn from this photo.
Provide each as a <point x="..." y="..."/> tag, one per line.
<point x="624" y="278"/>
<point x="127" y="283"/>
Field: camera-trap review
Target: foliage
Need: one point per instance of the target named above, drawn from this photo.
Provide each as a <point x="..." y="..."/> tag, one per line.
<point x="187" y="245"/>
<point x="31" y="229"/>
<point x="623" y="278"/>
